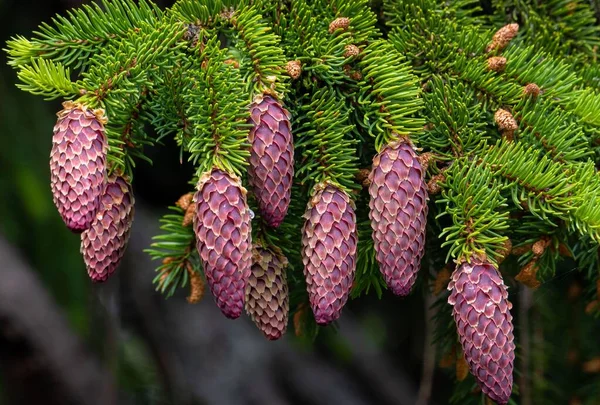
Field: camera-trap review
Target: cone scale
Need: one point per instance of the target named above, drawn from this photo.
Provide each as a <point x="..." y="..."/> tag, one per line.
<point x="104" y="243"/>
<point x="481" y="311"/>
<point x="223" y="238"/>
<point x="398" y="213"/>
<point x="78" y="165"/>
<point x="329" y="251"/>
<point x="271" y="167"/>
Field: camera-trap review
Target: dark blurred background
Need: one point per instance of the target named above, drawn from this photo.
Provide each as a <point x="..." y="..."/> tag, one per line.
<point x="64" y="340"/>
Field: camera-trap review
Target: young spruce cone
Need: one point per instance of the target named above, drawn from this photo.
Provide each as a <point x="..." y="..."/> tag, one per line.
<point x="482" y="314"/>
<point x="398" y="213"/>
<point x="271" y="158"/>
<point x="267" y="301"/>
<point x="104" y="243"/>
<point x="78" y="164"/>
<point x="329" y="251"/>
<point x="223" y="238"/>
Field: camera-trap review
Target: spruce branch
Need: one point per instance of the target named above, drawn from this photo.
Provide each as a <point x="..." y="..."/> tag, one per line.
<point x="476" y="206"/>
<point x="73" y="39"/>
<point x="175" y="249"/>
<point x="322" y="136"/>
<point x="47" y="78"/>
<point x="390" y="95"/>
<point x="217" y="110"/>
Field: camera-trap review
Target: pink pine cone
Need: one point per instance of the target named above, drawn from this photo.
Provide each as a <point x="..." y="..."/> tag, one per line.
<point x="104" y="243"/>
<point x="267" y="300"/>
<point x="78" y="165"/>
<point x="329" y="251"/>
<point x="484" y="323"/>
<point x="271" y="158"/>
<point x="398" y="213"/>
<point x="223" y="238"/>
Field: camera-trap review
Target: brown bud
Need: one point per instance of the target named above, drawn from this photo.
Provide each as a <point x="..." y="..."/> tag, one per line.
<point x="163" y="277"/>
<point x="232" y="62"/>
<point x="299" y="320"/>
<point x="505" y="250"/>
<point x="197" y="285"/>
<point x="339" y="23"/>
<point x="352" y="73"/>
<point x="521" y="250"/>
<point x="425" y="159"/>
<point x="185" y="201"/>
<point x="496" y="63"/>
<point x="363" y="177"/>
<point x="505" y="120"/>
<point x="441" y="281"/>
<point x="433" y="186"/>
<point x="502" y="37"/>
<point x="168" y="260"/>
<point x="294" y="69"/>
<point x="462" y="367"/>
<point x="591" y="307"/>
<point x="188" y="218"/>
<point x="538" y="248"/>
<point x="527" y="275"/>
<point x="532" y="89"/>
<point x="351" y="50"/>
<point x="592" y="366"/>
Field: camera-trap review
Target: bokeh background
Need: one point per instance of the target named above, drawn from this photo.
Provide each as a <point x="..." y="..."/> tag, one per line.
<point x="64" y="340"/>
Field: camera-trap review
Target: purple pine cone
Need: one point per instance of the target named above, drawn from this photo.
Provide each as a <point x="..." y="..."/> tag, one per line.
<point x="398" y="213"/>
<point x="271" y="168"/>
<point x="482" y="314"/>
<point x="78" y="165"/>
<point x="223" y="238"/>
<point x="104" y="243"/>
<point x="329" y="251"/>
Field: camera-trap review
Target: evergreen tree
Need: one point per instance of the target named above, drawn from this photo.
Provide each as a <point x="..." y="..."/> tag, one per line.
<point x="373" y="135"/>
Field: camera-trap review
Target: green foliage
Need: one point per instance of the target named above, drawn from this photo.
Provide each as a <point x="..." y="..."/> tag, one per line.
<point x="413" y="69"/>
<point x="475" y="204"/>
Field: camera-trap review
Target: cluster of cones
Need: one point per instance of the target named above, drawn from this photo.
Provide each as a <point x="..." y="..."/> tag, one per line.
<point x="98" y="206"/>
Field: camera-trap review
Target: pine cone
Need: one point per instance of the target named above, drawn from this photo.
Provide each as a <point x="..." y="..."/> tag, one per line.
<point x="482" y="314"/>
<point x="502" y="37"/>
<point x="271" y="158"/>
<point x="78" y="164"/>
<point x="223" y="238"/>
<point x="104" y="243"/>
<point x="329" y="251"/>
<point x="398" y="213"/>
<point x="267" y="301"/>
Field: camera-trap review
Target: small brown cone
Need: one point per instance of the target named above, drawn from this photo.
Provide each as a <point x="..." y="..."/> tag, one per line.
<point x="351" y="50"/>
<point x="502" y="37"/>
<point x="267" y="297"/>
<point x="496" y="63"/>
<point x="197" y="285"/>
<point x="505" y="120"/>
<point x="294" y="69"/>
<point x="339" y="23"/>
<point x="532" y="90"/>
<point x="190" y="214"/>
<point x="527" y="275"/>
<point x="185" y="201"/>
<point x="441" y="281"/>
